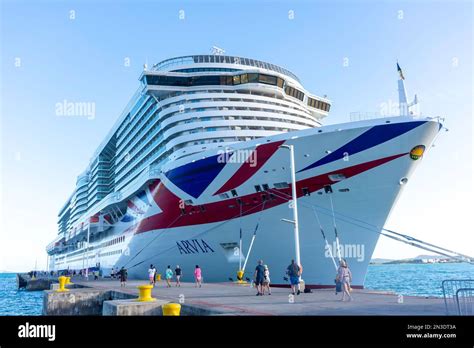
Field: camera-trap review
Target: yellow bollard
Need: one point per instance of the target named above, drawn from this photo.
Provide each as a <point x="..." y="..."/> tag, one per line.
<point x="145" y="293"/>
<point x="171" y="309"/>
<point x="158" y="277"/>
<point x="62" y="283"/>
<point x="240" y="277"/>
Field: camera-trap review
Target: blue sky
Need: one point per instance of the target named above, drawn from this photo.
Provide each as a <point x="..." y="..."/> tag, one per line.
<point x="48" y="57"/>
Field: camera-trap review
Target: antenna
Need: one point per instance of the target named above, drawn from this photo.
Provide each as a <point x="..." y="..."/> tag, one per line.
<point x="217" y="51"/>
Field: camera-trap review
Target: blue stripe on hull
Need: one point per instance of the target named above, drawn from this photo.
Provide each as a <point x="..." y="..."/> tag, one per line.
<point x="194" y="178"/>
<point x="374" y="136"/>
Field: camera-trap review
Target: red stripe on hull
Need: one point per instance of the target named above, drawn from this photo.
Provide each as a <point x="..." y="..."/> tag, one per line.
<point x="246" y="170"/>
<point x="171" y="205"/>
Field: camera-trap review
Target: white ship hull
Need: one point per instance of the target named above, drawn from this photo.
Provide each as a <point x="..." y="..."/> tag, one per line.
<point x="377" y="158"/>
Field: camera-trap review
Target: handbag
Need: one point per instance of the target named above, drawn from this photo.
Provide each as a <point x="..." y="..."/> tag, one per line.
<point x="338" y="286"/>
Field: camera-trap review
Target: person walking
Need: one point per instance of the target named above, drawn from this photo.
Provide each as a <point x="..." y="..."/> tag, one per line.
<point x="266" y="280"/>
<point x="293" y="271"/>
<point x="123" y="276"/>
<point x="258" y="277"/>
<point x="178" y="272"/>
<point x="168" y="276"/>
<point x="151" y="274"/>
<point x="344" y="275"/>
<point x="198" y="276"/>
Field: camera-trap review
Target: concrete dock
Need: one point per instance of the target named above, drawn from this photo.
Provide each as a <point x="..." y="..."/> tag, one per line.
<point x="106" y="297"/>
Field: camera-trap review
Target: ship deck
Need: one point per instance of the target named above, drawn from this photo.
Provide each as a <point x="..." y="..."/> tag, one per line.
<point x="233" y="299"/>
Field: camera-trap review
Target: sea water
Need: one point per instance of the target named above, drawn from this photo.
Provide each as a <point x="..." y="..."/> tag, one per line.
<point x="416" y="279"/>
<point x="405" y="279"/>
<point x="18" y="302"/>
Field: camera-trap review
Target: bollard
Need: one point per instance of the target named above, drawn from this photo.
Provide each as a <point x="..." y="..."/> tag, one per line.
<point x="158" y="277"/>
<point x="62" y="283"/>
<point x="171" y="309"/>
<point x="145" y="293"/>
<point x="68" y="280"/>
<point x="240" y="277"/>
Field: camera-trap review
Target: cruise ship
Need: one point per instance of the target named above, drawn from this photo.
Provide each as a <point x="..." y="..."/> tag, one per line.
<point x="196" y="171"/>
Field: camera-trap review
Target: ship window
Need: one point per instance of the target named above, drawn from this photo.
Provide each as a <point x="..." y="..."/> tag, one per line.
<point x="244" y="78"/>
<point x="234" y="193"/>
<point x="265" y="187"/>
<point x="280" y="82"/>
<point x="224" y="195"/>
<point x="280" y="185"/>
<point x="258" y="188"/>
<point x="236" y="80"/>
<point x="253" y="77"/>
<point x="306" y="191"/>
<point x="228" y="80"/>
<point x="267" y="79"/>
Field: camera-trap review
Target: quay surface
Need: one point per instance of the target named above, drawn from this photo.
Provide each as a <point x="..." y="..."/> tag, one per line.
<point x="233" y="299"/>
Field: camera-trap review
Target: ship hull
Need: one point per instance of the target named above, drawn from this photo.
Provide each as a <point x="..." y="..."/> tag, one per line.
<point x="364" y="164"/>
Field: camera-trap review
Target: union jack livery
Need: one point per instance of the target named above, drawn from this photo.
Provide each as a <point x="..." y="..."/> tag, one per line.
<point x="194" y="173"/>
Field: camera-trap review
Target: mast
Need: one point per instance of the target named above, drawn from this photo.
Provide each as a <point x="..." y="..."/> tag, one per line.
<point x="404" y="106"/>
<point x="402" y="93"/>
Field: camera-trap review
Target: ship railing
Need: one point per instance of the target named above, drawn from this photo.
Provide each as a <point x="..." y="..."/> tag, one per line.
<point x="465" y="301"/>
<point x="150" y="172"/>
<point x="452" y="298"/>
<point x="206" y="58"/>
<point x="363" y="116"/>
<point x="112" y="198"/>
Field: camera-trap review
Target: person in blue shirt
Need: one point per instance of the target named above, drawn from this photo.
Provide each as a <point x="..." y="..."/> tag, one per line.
<point x="169" y="276"/>
<point x="259" y="277"/>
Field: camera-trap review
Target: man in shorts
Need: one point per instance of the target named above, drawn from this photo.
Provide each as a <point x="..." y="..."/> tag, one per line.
<point x="259" y="277"/>
<point x="293" y="271"/>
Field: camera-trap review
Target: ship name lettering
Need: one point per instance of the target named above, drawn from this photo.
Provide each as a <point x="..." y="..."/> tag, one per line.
<point x="193" y="246"/>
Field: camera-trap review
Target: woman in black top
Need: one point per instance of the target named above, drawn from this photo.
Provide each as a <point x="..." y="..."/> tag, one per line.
<point x="178" y="272"/>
